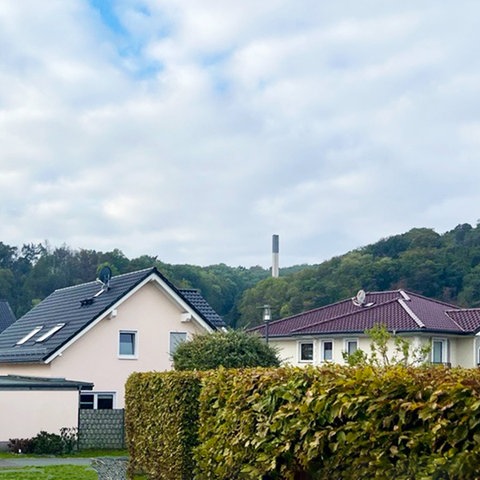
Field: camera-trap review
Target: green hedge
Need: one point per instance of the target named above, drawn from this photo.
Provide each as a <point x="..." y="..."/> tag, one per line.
<point x="340" y="423"/>
<point x="161" y="417"/>
<point x="306" y="423"/>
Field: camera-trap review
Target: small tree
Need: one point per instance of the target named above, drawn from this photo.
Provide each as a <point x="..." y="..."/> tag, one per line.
<point x="231" y="349"/>
<point x="381" y="355"/>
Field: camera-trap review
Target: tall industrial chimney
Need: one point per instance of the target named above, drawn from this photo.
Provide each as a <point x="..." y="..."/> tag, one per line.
<point x="275" y="251"/>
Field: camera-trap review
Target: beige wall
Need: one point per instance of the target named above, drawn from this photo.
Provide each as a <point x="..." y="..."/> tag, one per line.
<point x="94" y="357"/>
<point x="25" y="413"/>
<point x="463" y="352"/>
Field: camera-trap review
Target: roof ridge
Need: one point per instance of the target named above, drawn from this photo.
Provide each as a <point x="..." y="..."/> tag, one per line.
<point x="363" y="309"/>
<point x="95" y="281"/>
<point x="454" y="321"/>
<point x="410" y="312"/>
<point x="423" y="297"/>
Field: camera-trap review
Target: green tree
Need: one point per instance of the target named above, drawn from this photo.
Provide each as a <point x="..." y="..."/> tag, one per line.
<point x="271" y="291"/>
<point x="231" y="349"/>
<point x="387" y="349"/>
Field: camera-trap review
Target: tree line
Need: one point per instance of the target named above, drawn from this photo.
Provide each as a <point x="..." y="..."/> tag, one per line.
<point x="442" y="266"/>
<point x="30" y="273"/>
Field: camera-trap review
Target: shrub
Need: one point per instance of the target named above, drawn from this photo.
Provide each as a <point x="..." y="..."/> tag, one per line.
<point x="69" y="438"/>
<point x="46" y="443"/>
<point x="20" y="445"/>
<point x="231" y="349"/>
<point x="161" y="419"/>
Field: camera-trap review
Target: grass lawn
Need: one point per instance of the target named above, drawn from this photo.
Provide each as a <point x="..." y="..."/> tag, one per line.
<point x="59" y="472"/>
<point x="52" y="472"/>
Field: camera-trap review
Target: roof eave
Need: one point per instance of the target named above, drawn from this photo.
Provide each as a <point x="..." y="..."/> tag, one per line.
<point x="362" y="332"/>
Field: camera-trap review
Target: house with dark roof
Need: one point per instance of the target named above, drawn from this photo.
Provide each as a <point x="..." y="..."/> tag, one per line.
<point x="325" y="334"/>
<point x="7" y="317"/>
<point x="102" y="331"/>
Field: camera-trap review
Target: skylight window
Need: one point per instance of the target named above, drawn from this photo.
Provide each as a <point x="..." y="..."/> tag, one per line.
<point x="48" y="334"/>
<point x="28" y="336"/>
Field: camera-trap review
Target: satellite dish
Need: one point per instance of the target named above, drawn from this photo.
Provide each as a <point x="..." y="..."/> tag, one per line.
<point x="105" y="275"/>
<point x="361" y="296"/>
<point x="359" y="299"/>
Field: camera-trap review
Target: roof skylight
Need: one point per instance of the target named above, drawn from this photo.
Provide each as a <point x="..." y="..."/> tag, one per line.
<point x="28" y="336"/>
<point x="48" y="334"/>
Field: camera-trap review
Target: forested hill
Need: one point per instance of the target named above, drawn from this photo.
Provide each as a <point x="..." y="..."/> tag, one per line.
<point x="446" y="267"/>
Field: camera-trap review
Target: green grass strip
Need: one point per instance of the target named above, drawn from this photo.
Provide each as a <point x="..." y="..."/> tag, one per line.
<point x="52" y="472"/>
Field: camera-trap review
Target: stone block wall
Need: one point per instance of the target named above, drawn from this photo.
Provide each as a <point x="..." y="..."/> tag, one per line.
<point x="101" y="429"/>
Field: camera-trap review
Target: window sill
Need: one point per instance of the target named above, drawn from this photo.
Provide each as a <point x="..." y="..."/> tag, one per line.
<point x="128" y="357"/>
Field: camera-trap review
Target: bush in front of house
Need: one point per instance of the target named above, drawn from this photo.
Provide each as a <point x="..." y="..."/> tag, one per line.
<point x="20" y="445"/>
<point x="161" y="421"/>
<point x="230" y="349"/>
<point x="45" y="443"/>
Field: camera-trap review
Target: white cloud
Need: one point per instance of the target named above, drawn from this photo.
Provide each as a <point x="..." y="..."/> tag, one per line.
<point x="199" y="129"/>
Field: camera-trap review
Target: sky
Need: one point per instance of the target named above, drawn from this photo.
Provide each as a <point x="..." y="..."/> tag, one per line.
<point x="195" y="130"/>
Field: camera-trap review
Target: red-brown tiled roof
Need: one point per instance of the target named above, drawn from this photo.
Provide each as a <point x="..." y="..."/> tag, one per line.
<point x="398" y="310"/>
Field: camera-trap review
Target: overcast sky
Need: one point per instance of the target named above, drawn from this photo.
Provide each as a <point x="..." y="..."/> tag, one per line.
<point x="193" y="130"/>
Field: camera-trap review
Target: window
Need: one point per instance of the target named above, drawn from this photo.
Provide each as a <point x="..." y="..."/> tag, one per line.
<point x="28" y="336"/>
<point x="327" y="350"/>
<point x="439" y="350"/>
<point x="104" y="401"/>
<point x="351" y="345"/>
<point x="128" y="344"/>
<point x="48" y="334"/>
<point x="176" y="338"/>
<point x="97" y="401"/>
<point x="306" y="352"/>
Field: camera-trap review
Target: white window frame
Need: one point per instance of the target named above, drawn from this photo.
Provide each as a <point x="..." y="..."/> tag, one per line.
<point x="170" y="350"/>
<point x="322" y="350"/>
<point x="50" y="332"/>
<point x="351" y="340"/>
<point x="135" y="345"/>
<point x="95" y="399"/>
<point x="29" y="335"/>
<point x="306" y="342"/>
<point x="445" y="350"/>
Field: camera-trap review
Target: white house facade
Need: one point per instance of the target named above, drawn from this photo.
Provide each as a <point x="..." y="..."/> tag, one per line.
<point x="326" y="334"/>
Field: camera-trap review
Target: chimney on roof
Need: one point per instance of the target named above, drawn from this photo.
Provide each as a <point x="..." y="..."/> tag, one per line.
<point x="275" y="252"/>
